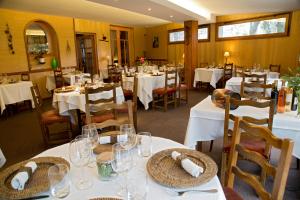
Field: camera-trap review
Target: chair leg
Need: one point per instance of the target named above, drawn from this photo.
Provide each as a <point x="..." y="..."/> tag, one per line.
<point x="179" y="95"/>
<point x="199" y="146"/>
<point x="175" y="100"/>
<point x="298" y="163"/>
<point x="187" y="96"/>
<point x="211" y="145"/>
<point x="165" y="102"/>
<point x="223" y="168"/>
<point x="153" y="102"/>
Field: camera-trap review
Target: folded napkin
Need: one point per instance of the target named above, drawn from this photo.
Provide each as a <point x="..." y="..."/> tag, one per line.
<point x="112" y="139"/>
<point x="23" y="175"/>
<point x="188" y="165"/>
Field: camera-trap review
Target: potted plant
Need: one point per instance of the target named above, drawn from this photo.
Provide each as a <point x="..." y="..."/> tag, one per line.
<point x="39" y="54"/>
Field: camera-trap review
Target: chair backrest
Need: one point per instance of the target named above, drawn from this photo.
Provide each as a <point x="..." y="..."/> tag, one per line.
<point x="37" y="98"/>
<point x="274" y="68"/>
<point x="203" y="64"/>
<point x="25" y="77"/>
<point x="279" y="173"/>
<point x="58" y="77"/>
<point x="238" y="103"/>
<point x="228" y="70"/>
<point x="171" y="79"/>
<point x="238" y="71"/>
<point x="181" y="75"/>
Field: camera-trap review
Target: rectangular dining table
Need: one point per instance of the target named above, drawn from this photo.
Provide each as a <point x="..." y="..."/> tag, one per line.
<point x="206" y="123"/>
<point x="11" y="93"/>
<point x="208" y="75"/>
<point x="155" y="190"/>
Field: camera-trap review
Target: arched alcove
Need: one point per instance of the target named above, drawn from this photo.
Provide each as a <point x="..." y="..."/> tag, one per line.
<point x="41" y="44"/>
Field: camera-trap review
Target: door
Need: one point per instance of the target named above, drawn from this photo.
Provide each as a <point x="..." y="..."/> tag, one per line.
<point x="86" y="53"/>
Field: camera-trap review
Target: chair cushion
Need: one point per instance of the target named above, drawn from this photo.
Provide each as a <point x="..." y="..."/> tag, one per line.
<point x="101" y="118"/>
<point x="251" y="144"/>
<point x="183" y="86"/>
<point x="161" y="91"/>
<point x="52" y="116"/>
<point x="127" y="93"/>
<point x="230" y="194"/>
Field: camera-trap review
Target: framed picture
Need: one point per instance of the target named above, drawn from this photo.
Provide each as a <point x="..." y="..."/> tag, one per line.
<point x="155" y="43"/>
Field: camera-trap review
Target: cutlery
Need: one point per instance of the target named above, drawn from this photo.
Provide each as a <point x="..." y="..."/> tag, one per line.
<point x="36" y="197"/>
<point x="180" y="193"/>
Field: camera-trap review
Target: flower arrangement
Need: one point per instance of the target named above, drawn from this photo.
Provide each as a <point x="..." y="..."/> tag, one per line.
<point x="142" y="61"/>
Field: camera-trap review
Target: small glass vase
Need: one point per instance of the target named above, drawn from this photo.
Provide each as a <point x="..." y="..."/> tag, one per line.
<point x="54" y="63"/>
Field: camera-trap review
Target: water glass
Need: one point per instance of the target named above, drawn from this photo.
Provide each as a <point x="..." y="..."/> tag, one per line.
<point x="144" y="144"/>
<point x="128" y="129"/>
<point x="137" y="185"/>
<point x="59" y="180"/>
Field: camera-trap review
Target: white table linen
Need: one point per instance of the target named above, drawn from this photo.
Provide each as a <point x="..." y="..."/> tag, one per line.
<point x="208" y="75"/>
<point x="69" y="78"/>
<point x="67" y="101"/>
<point x="206" y="123"/>
<point x="155" y="191"/>
<point x="15" y="92"/>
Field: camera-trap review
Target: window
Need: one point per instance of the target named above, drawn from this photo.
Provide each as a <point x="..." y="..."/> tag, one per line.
<point x="203" y="33"/>
<point x="176" y="36"/>
<point x="276" y="25"/>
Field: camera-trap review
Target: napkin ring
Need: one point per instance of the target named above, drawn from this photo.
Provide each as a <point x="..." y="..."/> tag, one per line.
<point x="180" y="158"/>
<point x="28" y="170"/>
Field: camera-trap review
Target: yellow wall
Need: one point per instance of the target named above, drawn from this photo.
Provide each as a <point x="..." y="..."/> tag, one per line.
<point x="281" y="50"/>
<point x="139" y="41"/>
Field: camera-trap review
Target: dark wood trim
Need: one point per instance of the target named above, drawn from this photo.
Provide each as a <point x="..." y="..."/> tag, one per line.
<point x="288" y="15"/>
<point x="175" y="30"/>
<point x="36" y="71"/>
<point x="205" y="26"/>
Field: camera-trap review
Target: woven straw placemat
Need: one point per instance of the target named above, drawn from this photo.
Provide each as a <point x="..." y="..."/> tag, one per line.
<point x="164" y="169"/>
<point x="67" y="89"/>
<point x="37" y="183"/>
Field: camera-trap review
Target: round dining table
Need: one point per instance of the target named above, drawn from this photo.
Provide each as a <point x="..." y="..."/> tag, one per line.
<point x="154" y="189"/>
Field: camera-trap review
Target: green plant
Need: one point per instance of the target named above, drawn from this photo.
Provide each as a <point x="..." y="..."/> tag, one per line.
<point x="293" y="79"/>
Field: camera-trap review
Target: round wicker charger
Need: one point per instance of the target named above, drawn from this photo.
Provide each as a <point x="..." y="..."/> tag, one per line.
<point x="164" y="169"/>
<point x="66" y="89"/>
<point x="105" y="198"/>
<point x="37" y="183"/>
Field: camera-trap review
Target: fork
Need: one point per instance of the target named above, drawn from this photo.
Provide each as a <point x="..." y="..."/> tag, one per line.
<point x="180" y="193"/>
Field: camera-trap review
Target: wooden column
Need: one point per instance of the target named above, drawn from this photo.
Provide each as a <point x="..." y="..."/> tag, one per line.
<point x="190" y="50"/>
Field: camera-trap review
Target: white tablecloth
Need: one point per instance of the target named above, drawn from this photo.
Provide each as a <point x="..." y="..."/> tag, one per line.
<point x="69" y="78"/>
<point x="15" y="92"/>
<point x="65" y="102"/>
<point x="234" y="84"/>
<point x="110" y="188"/>
<point x="146" y="84"/>
<point x="208" y="75"/>
<point x="207" y="123"/>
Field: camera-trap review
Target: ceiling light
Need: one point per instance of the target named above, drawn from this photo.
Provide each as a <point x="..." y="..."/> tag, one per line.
<point x="171" y="16"/>
<point x="192" y="6"/>
<point x="149" y="9"/>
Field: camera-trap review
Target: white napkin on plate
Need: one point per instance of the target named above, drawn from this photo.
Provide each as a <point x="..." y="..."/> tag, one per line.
<point x="108" y="139"/>
<point x="188" y="165"/>
<point x="19" y="180"/>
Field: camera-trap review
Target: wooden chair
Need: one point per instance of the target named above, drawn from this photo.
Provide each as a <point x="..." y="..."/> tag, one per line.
<point x="274" y="68"/>
<point x="131" y="94"/>
<point x="227" y="73"/>
<point x="167" y="94"/>
<point x="58" y="77"/>
<point x="182" y="87"/>
<point x="279" y="172"/>
<point x="92" y="102"/>
<point x="249" y="143"/>
<point x="49" y="118"/>
<point x="238" y="71"/>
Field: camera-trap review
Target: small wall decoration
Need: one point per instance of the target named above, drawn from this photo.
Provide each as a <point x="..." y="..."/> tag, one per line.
<point x="68" y="48"/>
<point x="155" y="43"/>
<point x="9" y="40"/>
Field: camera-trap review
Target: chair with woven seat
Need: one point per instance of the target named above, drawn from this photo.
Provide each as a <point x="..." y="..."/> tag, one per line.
<point x="274" y="68"/>
<point x="167" y="94"/>
<point x="130" y="93"/>
<point x="58" y="77"/>
<point x="279" y="172"/>
<point x="93" y="98"/>
<point x="182" y="87"/>
<point x="238" y="71"/>
<point x="227" y="73"/>
<point x="49" y="118"/>
<point x="250" y="143"/>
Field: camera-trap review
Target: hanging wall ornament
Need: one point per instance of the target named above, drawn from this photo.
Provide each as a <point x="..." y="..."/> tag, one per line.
<point x="9" y="40"/>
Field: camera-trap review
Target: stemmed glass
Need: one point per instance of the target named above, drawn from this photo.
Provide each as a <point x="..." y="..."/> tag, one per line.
<point x="91" y="133"/>
<point x="121" y="164"/>
<point x="128" y="129"/>
<point x="79" y="153"/>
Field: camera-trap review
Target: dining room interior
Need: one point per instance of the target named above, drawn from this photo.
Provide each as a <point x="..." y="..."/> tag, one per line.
<point x="149" y="99"/>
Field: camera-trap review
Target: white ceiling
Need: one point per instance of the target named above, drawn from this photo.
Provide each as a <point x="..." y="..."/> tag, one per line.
<point x="135" y="12"/>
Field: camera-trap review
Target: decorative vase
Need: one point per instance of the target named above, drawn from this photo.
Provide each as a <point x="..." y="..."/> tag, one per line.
<point x="42" y="60"/>
<point x="54" y="63"/>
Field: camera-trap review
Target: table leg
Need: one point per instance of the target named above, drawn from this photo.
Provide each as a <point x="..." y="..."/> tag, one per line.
<point x="199" y="146"/>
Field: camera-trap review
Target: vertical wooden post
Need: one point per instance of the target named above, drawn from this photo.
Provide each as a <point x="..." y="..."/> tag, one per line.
<point x="190" y="50"/>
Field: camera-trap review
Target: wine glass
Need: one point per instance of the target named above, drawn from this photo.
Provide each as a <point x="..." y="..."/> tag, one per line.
<point x="121" y="164"/>
<point x="91" y="133"/>
<point x="128" y="129"/>
<point x="79" y="153"/>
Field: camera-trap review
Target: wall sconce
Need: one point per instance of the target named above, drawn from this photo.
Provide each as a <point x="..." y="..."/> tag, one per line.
<point x="68" y="48"/>
<point x="226" y="55"/>
<point x="9" y="40"/>
<point x="103" y="38"/>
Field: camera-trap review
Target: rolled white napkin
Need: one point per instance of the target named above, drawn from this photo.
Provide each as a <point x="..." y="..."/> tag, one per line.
<point x="188" y="165"/>
<point x="19" y="180"/>
<point x="110" y="139"/>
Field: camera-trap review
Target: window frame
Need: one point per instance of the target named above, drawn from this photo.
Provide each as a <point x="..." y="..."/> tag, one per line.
<point x="208" y="32"/>
<point x="175" y="30"/>
<point x="287" y="15"/>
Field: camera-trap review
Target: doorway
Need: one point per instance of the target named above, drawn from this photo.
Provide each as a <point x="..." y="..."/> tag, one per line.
<point x="86" y="53"/>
